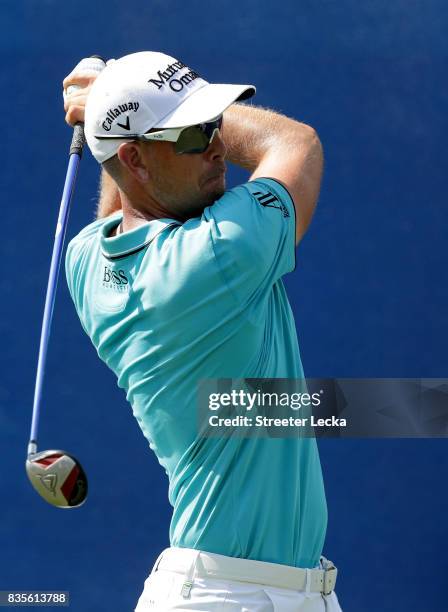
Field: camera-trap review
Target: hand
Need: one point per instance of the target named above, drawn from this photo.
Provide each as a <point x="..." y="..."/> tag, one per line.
<point x="77" y="86"/>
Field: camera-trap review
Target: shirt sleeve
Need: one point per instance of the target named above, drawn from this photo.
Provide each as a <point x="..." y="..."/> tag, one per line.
<point x="252" y="230"/>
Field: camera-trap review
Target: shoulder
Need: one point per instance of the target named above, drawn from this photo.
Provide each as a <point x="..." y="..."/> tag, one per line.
<point x="267" y="192"/>
<point x="252" y="231"/>
<point x="91" y="231"/>
<point x="88" y="236"/>
<point x="255" y="211"/>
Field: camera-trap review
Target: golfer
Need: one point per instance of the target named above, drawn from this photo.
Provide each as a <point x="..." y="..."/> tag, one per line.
<point x="179" y="280"/>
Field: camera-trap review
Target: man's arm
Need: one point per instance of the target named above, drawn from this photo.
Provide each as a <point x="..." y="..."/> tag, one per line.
<point x="268" y="145"/>
<point x="264" y="142"/>
<point x="271" y="145"/>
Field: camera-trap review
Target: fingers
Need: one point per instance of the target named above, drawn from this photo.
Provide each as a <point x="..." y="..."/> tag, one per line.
<point x="75" y="114"/>
<point x="81" y="79"/>
<point x="75" y="104"/>
<point x="75" y="98"/>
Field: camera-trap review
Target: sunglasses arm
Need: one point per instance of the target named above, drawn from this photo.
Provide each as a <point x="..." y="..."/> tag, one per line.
<point x="171" y="135"/>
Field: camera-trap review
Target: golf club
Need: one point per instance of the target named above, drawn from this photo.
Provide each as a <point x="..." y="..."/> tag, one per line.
<point x="56" y="475"/>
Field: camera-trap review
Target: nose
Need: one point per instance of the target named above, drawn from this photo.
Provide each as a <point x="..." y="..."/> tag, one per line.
<point x="216" y="150"/>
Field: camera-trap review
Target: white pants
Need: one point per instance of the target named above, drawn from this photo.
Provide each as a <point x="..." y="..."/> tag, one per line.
<point x="164" y="591"/>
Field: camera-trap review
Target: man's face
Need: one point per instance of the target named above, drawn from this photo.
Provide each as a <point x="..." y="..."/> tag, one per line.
<point x="185" y="184"/>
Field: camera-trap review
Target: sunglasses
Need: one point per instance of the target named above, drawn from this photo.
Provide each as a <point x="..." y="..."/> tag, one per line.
<point x="191" y="139"/>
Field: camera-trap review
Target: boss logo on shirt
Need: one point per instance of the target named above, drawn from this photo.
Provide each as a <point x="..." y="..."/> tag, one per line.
<point x="270" y="200"/>
<point x="115" y="279"/>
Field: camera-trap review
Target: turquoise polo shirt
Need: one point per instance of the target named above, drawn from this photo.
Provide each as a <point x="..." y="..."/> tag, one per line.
<point x="168" y="304"/>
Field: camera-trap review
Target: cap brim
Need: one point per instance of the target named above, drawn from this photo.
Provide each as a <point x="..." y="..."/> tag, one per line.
<point x="205" y="104"/>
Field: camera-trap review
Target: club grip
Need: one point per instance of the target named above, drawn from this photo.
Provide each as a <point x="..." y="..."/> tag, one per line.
<point x="78" y="140"/>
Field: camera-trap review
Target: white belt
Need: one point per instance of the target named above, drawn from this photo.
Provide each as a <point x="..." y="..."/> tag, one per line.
<point x="210" y="565"/>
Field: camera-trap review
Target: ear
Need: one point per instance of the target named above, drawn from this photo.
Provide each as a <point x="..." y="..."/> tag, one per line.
<point x="131" y="157"/>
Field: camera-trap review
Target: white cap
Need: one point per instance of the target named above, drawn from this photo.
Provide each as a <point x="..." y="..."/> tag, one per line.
<point x="148" y="90"/>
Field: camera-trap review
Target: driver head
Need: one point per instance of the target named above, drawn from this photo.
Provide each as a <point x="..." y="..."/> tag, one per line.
<point x="58" y="477"/>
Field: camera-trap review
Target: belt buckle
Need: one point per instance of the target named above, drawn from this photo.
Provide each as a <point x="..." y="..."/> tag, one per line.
<point x="329" y="580"/>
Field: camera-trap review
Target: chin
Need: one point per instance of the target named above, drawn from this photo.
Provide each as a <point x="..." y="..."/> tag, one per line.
<point x="216" y="189"/>
<point x="215" y="194"/>
<point x="206" y="199"/>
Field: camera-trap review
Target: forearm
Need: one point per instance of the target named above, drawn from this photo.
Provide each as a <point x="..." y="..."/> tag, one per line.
<point x="251" y="133"/>
<point x="108" y="196"/>
<point x="271" y="145"/>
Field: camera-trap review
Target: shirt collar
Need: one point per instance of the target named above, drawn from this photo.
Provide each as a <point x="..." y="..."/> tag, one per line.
<point x="114" y="247"/>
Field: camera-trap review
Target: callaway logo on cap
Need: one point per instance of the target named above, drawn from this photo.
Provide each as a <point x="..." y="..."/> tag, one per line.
<point x="148" y="90"/>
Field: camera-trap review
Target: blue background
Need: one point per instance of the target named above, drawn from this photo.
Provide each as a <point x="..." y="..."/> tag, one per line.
<point x="369" y="294"/>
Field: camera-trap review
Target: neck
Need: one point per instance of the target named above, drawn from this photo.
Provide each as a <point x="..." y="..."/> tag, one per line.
<point x="139" y="209"/>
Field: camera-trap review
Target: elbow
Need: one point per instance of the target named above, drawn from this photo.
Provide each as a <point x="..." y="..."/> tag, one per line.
<point x="315" y="153"/>
<point x="309" y="142"/>
<point x="314" y="143"/>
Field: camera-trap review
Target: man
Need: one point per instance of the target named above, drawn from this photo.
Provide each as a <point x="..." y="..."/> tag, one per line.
<point x="179" y="280"/>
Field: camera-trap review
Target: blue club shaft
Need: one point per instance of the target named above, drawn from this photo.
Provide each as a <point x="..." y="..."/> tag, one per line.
<point x="70" y="179"/>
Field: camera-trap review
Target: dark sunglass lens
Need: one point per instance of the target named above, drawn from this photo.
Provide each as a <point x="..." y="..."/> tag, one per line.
<point x="195" y="139"/>
<point x="192" y="140"/>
